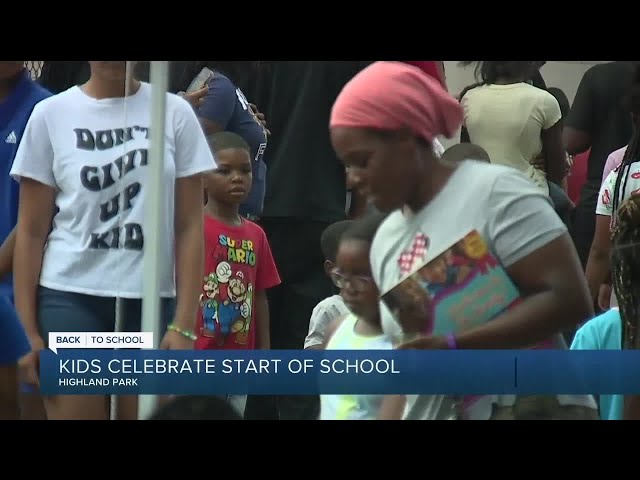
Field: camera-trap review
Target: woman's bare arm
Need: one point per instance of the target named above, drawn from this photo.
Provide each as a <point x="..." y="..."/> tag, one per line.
<point x="189" y="249"/>
<point x="598" y="267"/>
<point x="554" y="153"/>
<point x="6" y="254"/>
<point x="34" y="223"/>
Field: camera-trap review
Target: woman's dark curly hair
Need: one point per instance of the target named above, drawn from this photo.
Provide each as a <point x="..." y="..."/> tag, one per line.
<point x="489" y="72"/>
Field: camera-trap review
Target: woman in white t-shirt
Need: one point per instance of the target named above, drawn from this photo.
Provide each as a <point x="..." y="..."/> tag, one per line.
<point x="457" y="224"/>
<point x="519" y="125"/>
<point x="82" y="167"/>
<point x="515" y="122"/>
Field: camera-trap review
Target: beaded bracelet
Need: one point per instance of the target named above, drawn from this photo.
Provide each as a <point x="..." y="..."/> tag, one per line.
<point x="184" y="333"/>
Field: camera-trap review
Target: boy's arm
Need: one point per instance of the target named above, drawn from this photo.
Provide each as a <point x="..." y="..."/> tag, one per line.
<point x="6" y="254"/>
<point x="263" y="339"/>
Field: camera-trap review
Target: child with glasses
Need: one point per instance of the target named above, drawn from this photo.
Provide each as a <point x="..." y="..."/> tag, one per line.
<point x="360" y="329"/>
<point x="326" y="312"/>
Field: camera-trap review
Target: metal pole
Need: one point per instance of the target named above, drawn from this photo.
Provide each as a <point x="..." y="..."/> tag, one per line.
<point x="119" y="322"/>
<point x="118" y="328"/>
<point x="154" y="218"/>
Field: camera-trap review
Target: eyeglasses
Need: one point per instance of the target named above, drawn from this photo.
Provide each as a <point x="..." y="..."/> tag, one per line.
<point x="358" y="282"/>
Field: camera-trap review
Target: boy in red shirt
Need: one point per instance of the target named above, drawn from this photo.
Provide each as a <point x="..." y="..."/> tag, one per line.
<point x="239" y="267"/>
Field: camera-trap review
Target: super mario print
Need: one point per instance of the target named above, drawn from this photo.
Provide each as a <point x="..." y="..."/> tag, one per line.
<point x="227" y="294"/>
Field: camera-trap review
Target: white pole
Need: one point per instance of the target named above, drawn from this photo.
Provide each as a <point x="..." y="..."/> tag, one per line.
<point x="119" y="322"/>
<point x="117" y="328"/>
<point x="153" y="219"/>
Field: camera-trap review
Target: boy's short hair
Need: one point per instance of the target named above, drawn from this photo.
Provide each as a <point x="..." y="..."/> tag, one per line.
<point x="365" y="228"/>
<point x="465" y="151"/>
<point x="223" y="140"/>
<point x="194" y="407"/>
<point x="330" y="239"/>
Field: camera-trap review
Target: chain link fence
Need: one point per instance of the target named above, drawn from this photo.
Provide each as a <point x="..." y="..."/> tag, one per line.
<point x="34" y="68"/>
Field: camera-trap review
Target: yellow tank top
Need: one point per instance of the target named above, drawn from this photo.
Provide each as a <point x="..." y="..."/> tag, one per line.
<point x="352" y="407"/>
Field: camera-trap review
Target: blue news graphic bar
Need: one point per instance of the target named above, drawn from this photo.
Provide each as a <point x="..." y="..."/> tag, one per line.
<point x="105" y="372"/>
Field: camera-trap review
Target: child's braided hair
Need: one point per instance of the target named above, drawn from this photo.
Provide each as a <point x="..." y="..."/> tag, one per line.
<point x="625" y="268"/>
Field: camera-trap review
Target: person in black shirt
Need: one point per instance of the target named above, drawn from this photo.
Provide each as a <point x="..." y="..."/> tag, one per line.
<point x="305" y="193"/>
<point x="537" y="80"/>
<point x="60" y="76"/>
<point x="180" y="74"/>
<point x="562" y="99"/>
<point x="598" y="120"/>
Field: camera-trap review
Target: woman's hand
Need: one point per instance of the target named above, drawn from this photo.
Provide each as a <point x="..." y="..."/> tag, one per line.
<point x="260" y="116"/>
<point x="196" y="98"/>
<point x="540" y="162"/>
<point x="29" y="365"/>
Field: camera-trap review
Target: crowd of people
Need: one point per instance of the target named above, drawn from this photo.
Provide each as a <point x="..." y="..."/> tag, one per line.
<point x="310" y="204"/>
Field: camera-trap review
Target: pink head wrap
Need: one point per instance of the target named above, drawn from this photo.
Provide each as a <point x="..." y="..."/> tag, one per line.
<point x="395" y="96"/>
<point x="430" y="68"/>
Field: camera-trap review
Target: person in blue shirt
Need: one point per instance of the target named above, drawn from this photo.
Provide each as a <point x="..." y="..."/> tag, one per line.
<point x="617" y="328"/>
<point x="225" y="108"/>
<point x="603" y="332"/>
<point x="18" y="95"/>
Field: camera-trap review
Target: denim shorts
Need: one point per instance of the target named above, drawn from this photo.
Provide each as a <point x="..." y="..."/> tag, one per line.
<point x="76" y="312"/>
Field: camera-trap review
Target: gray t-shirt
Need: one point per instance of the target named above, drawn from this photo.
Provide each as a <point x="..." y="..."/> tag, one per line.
<point x="511" y="214"/>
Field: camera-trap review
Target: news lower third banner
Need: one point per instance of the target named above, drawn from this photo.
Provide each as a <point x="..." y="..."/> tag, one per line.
<point x="81" y="365"/>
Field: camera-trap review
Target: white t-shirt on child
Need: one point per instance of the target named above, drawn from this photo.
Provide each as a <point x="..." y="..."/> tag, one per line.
<point x="81" y="147"/>
<point x="626" y="189"/>
<point x="323" y="315"/>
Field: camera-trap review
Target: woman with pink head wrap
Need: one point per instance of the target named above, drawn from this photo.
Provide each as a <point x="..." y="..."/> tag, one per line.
<point x="382" y="126"/>
<point x="396" y="98"/>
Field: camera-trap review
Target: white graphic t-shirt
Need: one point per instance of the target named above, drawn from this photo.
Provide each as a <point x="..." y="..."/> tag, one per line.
<point x="81" y="147"/>
<point x="626" y="189"/>
<point x="511" y="216"/>
<point x="605" y="198"/>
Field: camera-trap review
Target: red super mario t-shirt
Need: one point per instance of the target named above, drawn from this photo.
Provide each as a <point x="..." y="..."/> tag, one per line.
<point x="238" y="263"/>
